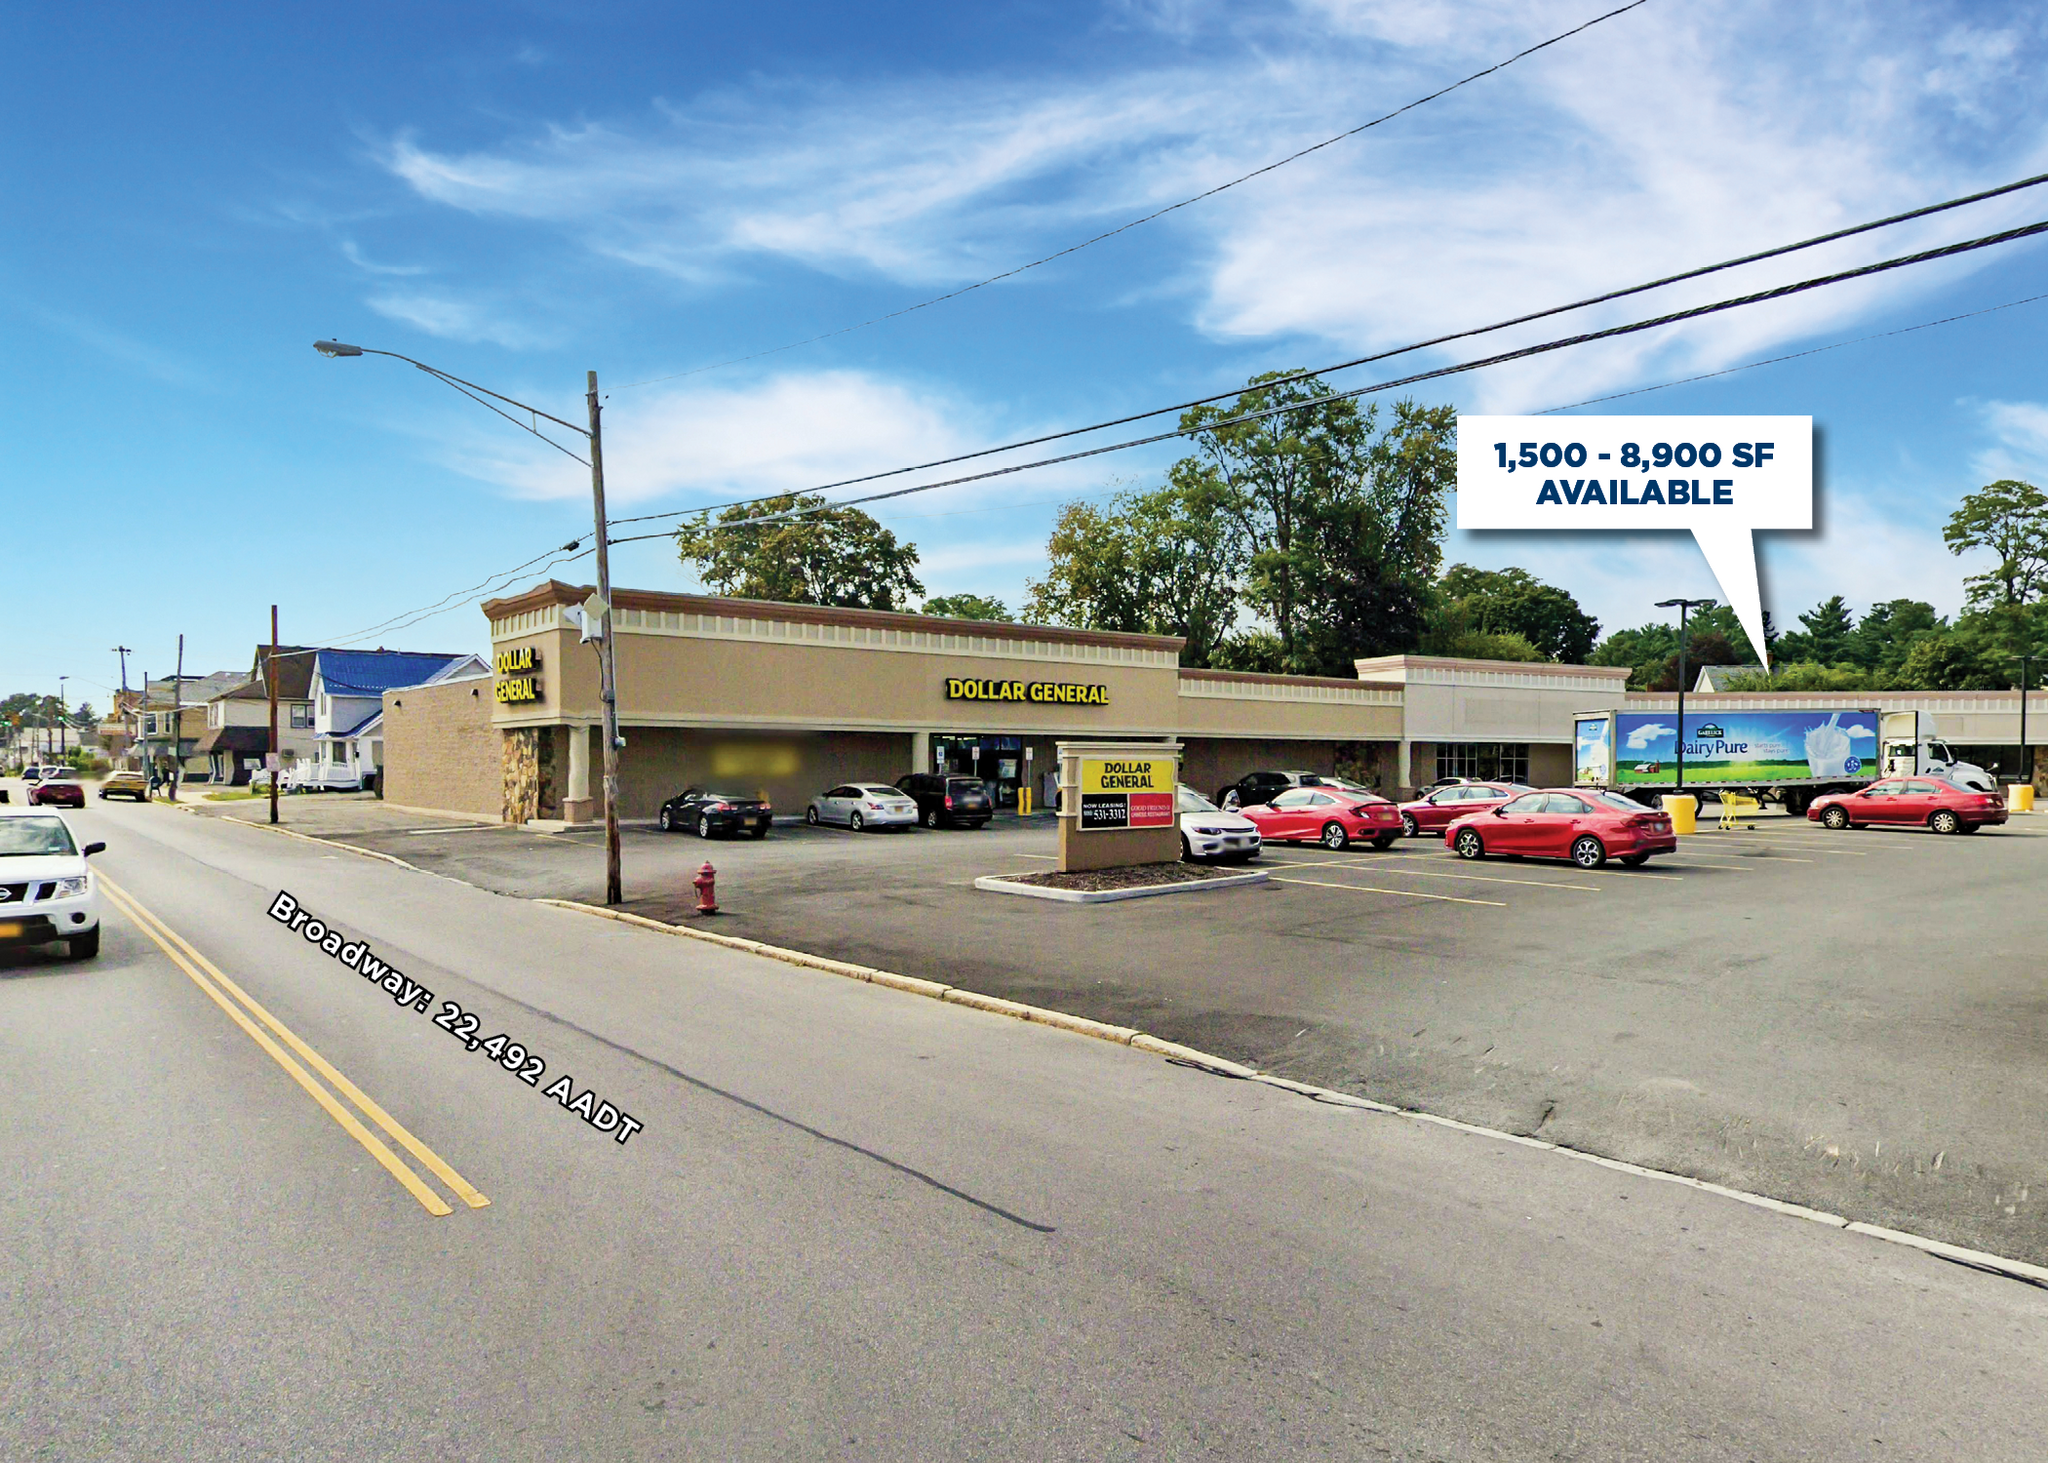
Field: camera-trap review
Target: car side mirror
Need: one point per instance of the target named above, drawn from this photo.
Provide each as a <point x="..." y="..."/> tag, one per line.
<point x="93" y="848"/>
<point x="1500" y="810"/>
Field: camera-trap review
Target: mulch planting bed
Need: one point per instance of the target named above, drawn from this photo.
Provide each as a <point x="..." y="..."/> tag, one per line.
<point x="1137" y="876"/>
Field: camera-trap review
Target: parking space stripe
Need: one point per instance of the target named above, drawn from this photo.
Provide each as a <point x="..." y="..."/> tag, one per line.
<point x="1399" y="893"/>
<point x="1780" y="858"/>
<point x="189" y="960"/>
<point x="1433" y="874"/>
<point x="1599" y="873"/>
<point x="1768" y="838"/>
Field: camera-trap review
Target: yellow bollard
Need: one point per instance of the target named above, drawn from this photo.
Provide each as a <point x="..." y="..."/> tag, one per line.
<point x="1684" y="809"/>
<point x="1023" y="801"/>
<point x="2019" y="797"/>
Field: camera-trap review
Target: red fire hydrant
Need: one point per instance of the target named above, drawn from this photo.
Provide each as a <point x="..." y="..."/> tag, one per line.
<point x="707" y="889"/>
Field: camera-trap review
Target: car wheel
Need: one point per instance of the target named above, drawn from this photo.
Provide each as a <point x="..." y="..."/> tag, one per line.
<point x="668" y="822"/>
<point x="704" y="825"/>
<point x="1384" y="841"/>
<point x="1945" y="821"/>
<point x="1469" y="844"/>
<point x="1409" y="827"/>
<point x="811" y="816"/>
<point x="85" y="946"/>
<point x="1187" y="854"/>
<point x="1635" y="860"/>
<point x="1334" y="836"/>
<point x="929" y="817"/>
<point x="857" y="822"/>
<point x="1588" y="852"/>
<point x="1836" y="817"/>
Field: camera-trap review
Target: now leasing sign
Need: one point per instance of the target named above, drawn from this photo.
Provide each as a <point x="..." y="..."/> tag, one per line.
<point x="1127" y="792"/>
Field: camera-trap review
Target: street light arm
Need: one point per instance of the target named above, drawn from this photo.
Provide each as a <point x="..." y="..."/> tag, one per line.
<point x="469" y="389"/>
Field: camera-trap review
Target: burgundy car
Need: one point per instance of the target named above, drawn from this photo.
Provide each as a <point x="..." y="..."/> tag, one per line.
<point x="1445" y="805"/>
<point x="1331" y="816"/>
<point x="1586" y="827"/>
<point x="1914" y="802"/>
<point x="57" y="790"/>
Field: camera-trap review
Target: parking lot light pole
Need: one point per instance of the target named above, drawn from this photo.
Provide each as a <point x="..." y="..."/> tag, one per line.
<point x="1682" y="606"/>
<point x="608" y="675"/>
<point x="2026" y="758"/>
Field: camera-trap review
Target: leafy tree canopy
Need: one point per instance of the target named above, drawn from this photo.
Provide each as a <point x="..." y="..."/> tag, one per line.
<point x="2009" y="518"/>
<point x="1473" y="602"/>
<point x="967" y="607"/>
<point x="821" y="556"/>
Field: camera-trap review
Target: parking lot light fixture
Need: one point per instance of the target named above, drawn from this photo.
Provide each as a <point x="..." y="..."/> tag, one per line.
<point x="607" y="662"/>
<point x="2026" y="757"/>
<point x="1682" y="606"/>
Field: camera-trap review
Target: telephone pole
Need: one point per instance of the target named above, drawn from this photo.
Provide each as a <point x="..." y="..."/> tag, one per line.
<point x="273" y="761"/>
<point x="177" y="718"/>
<point x="607" y="661"/>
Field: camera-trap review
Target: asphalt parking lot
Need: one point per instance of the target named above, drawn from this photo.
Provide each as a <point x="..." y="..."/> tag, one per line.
<point x="1850" y="1020"/>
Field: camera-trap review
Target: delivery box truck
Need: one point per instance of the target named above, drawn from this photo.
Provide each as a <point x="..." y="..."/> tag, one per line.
<point x="1793" y="754"/>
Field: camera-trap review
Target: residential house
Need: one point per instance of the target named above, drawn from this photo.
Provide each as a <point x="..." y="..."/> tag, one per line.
<point x="347" y="691"/>
<point x="172" y="713"/>
<point x="237" y="736"/>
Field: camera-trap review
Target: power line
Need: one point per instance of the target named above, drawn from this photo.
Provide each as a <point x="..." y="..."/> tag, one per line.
<point x="1795" y="355"/>
<point x="1670" y="279"/>
<point x="1782" y="291"/>
<point x="1148" y="218"/>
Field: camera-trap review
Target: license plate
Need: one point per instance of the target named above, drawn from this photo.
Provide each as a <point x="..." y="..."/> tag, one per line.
<point x="9" y="931"/>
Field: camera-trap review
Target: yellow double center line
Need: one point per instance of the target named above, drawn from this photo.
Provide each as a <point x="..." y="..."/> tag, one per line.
<point x="209" y="978"/>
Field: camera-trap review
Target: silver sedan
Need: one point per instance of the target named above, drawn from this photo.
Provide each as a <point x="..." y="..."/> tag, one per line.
<point x="859" y="805"/>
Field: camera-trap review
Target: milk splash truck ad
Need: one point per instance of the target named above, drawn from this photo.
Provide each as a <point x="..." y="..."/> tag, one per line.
<point x="1744" y="748"/>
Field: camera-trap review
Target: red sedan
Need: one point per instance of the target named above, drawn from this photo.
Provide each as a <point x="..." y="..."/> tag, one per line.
<point x="1331" y="816"/>
<point x="1445" y="805"/>
<point x="1586" y="827"/>
<point x="59" y="789"/>
<point x="1909" y="802"/>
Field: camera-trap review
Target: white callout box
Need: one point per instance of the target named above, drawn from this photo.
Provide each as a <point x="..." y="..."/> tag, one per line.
<point x="1718" y="478"/>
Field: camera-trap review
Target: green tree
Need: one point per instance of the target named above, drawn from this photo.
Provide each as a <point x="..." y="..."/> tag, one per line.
<point x="1340" y="525"/>
<point x="1159" y="562"/>
<point x="1510" y="602"/>
<point x="2010" y="518"/>
<point x="807" y="553"/>
<point x="967" y="607"/>
<point x="1643" y="650"/>
<point x="1826" y="637"/>
<point x="1887" y="631"/>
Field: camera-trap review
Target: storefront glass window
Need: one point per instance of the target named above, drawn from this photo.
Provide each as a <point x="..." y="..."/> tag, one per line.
<point x="1484" y="761"/>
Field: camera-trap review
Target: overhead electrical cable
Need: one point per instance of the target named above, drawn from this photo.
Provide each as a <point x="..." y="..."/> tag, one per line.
<point x="1793" y="356"/>
<point x="1924" y="256"/>
<point x="1148" y="218"/>
<point x="1637" y="289"/>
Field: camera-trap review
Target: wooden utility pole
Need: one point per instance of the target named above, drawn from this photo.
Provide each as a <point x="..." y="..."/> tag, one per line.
<point x="274" y="761"/>
<point x="607" y="661"/>
<point x="177" y="717"/>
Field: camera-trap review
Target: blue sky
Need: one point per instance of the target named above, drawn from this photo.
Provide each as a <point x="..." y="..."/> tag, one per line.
<point x="519" y="193"/>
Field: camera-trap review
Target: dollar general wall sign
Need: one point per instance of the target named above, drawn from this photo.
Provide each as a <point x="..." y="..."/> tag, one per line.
<point x="1050" y="693"/>
<point x="517" y="682"/>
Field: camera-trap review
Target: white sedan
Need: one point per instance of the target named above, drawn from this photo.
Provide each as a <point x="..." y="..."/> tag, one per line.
<point x="1206" y="831"/>
<point x="861" y="805"/>
<point x="46" y="893"/>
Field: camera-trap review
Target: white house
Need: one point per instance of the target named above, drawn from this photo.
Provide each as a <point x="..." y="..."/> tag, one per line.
<point x="347" y="693"/>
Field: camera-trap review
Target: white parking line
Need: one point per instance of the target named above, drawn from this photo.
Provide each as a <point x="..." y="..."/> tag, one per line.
<point x="1603" y="873"/>
<point x="1432" y="874"/>
<point x="1398" y="893"/>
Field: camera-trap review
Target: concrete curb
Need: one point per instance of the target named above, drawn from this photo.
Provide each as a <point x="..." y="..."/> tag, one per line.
<point x="1221" y="1066"/>
<point x="997" y="884"/>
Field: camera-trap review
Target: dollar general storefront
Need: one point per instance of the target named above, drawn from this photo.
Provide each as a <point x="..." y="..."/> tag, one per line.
<point x="789" y="700"/>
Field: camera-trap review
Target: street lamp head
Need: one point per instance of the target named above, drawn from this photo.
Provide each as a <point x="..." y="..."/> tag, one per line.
<point x="1680" y="604"/>
<point x="333" y="348"/>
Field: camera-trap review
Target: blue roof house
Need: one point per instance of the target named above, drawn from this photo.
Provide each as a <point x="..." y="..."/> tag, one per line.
<point x="347" y="690"/>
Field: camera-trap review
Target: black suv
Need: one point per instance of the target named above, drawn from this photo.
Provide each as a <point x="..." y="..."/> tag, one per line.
<point x="948" y="800"/>
<point x="1261" y="787"/>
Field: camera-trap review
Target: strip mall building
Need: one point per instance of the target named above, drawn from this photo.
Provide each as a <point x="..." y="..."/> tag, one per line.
<point x="747" y="696"/>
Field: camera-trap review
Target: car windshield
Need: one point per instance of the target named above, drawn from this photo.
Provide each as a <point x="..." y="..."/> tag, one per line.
<point x="881" y="790"/>
<point x="1345" y="784"/>
<point x="28" y="837"/>
<point x="1193" y="802"/>
<point x="1621" y="800"/>
<point x="965" y="785"/>
<point x="731" y="797"/>
<point x="61" y="774"/>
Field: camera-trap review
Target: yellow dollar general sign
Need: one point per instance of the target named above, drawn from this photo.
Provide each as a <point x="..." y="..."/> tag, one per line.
<point x="1127" y="774"/>
<point x="1126" y="792"/>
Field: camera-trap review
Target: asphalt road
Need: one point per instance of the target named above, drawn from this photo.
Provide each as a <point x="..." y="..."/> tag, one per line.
<point x="1852" y="1021"/>
<point x="855" y="1224"/>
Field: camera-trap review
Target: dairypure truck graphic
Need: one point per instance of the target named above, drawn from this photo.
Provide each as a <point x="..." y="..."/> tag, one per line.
<point x="1735" y="749"/>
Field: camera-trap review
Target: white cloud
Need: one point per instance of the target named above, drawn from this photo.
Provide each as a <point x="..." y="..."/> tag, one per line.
<point x="2020" y="448"/>
<point x="454" y="319"/>
<point x="1647" y="733"/>
<point x="354" y="255"/>
<point x="788" y="433"/>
